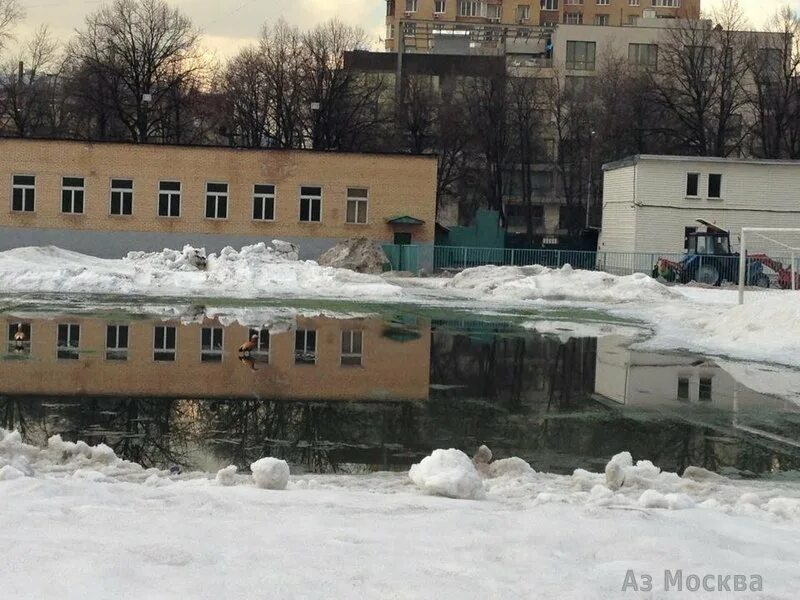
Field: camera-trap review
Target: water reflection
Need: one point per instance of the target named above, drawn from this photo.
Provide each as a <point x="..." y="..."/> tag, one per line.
<point x="351" y="393"/>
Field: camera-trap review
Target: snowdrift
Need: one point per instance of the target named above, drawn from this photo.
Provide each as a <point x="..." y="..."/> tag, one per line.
<point x="258" y="270"/>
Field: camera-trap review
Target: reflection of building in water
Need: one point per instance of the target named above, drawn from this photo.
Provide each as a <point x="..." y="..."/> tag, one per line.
<point x="322" y="358"/>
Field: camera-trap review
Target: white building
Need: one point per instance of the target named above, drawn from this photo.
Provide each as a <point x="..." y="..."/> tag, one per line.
<point x="650" y="203"/>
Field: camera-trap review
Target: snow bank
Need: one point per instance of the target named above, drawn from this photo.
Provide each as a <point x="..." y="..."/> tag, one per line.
<point x="226" y="476"/>
<point x="448" y="473"/>
<point x="538" y="282"/>
<point x="258" y="270"/>
<point x="270" y="473"/>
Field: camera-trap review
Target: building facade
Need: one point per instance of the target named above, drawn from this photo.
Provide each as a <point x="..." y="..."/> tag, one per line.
<point x="106" y="199"/>
<point x="651" y="203"/>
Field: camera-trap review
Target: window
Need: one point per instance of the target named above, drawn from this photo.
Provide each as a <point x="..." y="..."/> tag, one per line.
<point x="578" y="86"/>
<point x="389" y="8"/>
<point x="211" y="344"/>
<point x="573" y="18"/>
<point x="121" y="197"/>
<point x="701" y="58"/>
<point x="666" y="3"/>
<point x="69" y="340"/>
<point x="263" y="202"/>
<point x="574" y="2"/>
<point x="683" y="388"/>
<point x="72" y="192"/>
<point x="523" y="12"/>
<point x="169" y="199"/>
<point x="305" y="347"/>
<point x="439" y="6"/>
<point x="715" y="185"/>
<point x="633" y="19"/>
<point x="602" y="2"/>
<point x="411" y="5"/>
<point x="357" y="200"/>
<point x="687" y="231"/>
<point x="263" y="341"/>
<point x="216" y="201"/>
<point x="471" y="8"/>
<point x="23" y="193"/>
<point x="692" y="184"/>
<point x="580" y="56"/>
<point x="517" y="215"/>
<point x="352" y="348"/>
<point x="117" y="342"/>
<point x="19" y="338"/>
<point x="549" y="5"/>
<point x="633" y="2"/>
<point x="409" y="29"/>
<point x="390" y="31"/>
<point x="310" y="204"/>
<point x="164" y="343"/>
<point x="643" y="55"/>
<point x="601" y="20"/>
<point x="705" y="389"/>
<point x="494" y="11"/>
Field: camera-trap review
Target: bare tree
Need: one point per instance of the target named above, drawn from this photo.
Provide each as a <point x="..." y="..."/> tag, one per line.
<point x="10" y="13"/>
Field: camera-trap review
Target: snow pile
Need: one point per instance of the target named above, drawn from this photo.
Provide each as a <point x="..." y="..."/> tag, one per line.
<point x="537" y="282"/>
<point x="253" y="271"/>
<point x="226" y="476"/>
<point x="357" y="254"/>
<point x="448" y="473"/>
<point x="8" y="473"/>
<point x="270" y="473"/>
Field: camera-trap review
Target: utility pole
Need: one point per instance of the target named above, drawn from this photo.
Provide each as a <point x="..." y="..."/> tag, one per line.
<point x="589" y="179"/>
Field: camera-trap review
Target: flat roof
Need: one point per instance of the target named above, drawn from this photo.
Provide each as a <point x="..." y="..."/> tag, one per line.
<point x="11" y="138"/>
<point x="637" y="158"/>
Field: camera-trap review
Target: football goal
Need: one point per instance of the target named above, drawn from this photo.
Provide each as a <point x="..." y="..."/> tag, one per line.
<point x="770" y="257"/>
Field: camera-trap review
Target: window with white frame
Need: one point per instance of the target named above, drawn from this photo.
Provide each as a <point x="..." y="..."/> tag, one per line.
<point x="23" y="193"/>
<point x="19" y="338"/>
<point x="116" y="342"/>
<point x="164" y="338"/>
<point x="72" y="195"/>
<point x="666" y="3"/>
<point x="211" y="344"/>
<point x="602" y="2"/>
<point x="705" y="389"/>
<point x="523" y="12"/>
<point x="262" y="347"/>
<point x="601" y="20"/>
<point x="409" y="29"/>
<point x="263" y="202"/>
<point x="69" y="340"/>
<point x="494" y="11"/>
<point x="643" y="55"/>
<point x="471" y="8"/>
<point x="216" y="200"/>
<point x="390" y="31"/>
<point x="692" y="185"/>
<point x="169" y="199"/>
<point x="310" y="204"/>
<point x="715" y="185"/>
<point x="573" y="2"/>
<point x="633" y="19"/>
<point x="352" y="348"/>
<point x="357" y="204"/>
<point x="549" y="5"/>
<point x="439" y="6"/>
<point x="581" y="56"/>
<point x="573" y="18"/>
<point x="411" y="6"/>
<point x="121" y="197"/>
<point x="305" y="347"/>
<point x="633" y="2"/>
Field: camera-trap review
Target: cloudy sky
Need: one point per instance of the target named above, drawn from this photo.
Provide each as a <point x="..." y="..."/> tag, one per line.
<point x="230" y="24"/>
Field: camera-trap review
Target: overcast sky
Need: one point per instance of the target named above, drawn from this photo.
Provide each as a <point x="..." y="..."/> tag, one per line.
<point x="230" y="24"/>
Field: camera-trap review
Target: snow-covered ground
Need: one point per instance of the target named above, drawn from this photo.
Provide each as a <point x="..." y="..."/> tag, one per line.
<point x="766" y="328"/>
<point x="80" y="523"/>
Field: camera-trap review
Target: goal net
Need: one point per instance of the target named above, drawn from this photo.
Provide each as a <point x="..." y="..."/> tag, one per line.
<point x="769" y="257"/>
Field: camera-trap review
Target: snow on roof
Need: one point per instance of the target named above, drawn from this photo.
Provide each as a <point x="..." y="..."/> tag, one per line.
<point x="637" y="158"/>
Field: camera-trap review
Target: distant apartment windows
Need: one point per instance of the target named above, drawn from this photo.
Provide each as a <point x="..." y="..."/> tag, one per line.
<point x="715" y="186"/>
<point x="581" y="56"/>
<point x="264" y="202"/>
<point x="19" y="338"/>
<point x="633" y="2"/>
<point x="310" y="204"/>
<point x="357" y="202"/>
<point x="471" y="8"/>
<point x="574" y="2"/>
<point x="216" y="200"/>
<point x="305" y="347"/>
<point x="411" y="6"/>
<point x="601" y="20"/>
<point x="389" y="8"/>
<point x="121" y="197"/>
<point x="409" y="29"/>
<point x="390" y="31"/>
<point x="23" y="193"/>
<point x="72" y="195"/>
<point x="666" y="3"/>
<point x="211" y="344"/>
<point x="439" y="7"/>
<point x="352" y="348"/>
<point x="602" y="2"/>
<point x="573" y="18"/>
<point x="692" y="185"/>
<point x="69" y="340"/>
<point x="643" y="55"/>
<point x="117" y="342"/>
<point x="701" y="59"/>
<point x="683" y="389"/>
<point x="494" y="11"/>
<point x="523" y="12"/>
<point x="549" y="5"/>
<point x="706" y="387"/>
<point x="633" y="19"/>
<point x="164" y="343"/>
<point x="169" y="199"/>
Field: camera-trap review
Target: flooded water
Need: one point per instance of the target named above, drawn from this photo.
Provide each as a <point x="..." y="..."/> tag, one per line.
<point x="353" y="393"/>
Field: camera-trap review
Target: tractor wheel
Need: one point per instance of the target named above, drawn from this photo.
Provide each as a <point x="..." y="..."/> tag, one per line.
<point x="708" y="274"/>
<point x="762" y="280"/>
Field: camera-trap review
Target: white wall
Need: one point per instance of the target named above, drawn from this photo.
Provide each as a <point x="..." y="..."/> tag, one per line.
<point x="618" y="230"/>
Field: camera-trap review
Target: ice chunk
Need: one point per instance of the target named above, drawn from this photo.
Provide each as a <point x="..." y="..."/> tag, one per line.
<point x="270" y="473"/>
<point x="513" y="467"/>
<point x="615" y="469"/>
<point x="227" y="476"/>
<point x="654" y="499"/>
<point x="700" y="474"/>
<point x="448" y="473"/>
<point x="481" y="460"/>
<point x="8" y="473"/>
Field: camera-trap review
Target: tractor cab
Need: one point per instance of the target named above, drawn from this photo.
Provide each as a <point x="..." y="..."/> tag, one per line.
<point x="712" y="241"/>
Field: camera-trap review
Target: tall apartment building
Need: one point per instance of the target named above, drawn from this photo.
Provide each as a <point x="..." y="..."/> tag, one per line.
<point x="424" y="24"/>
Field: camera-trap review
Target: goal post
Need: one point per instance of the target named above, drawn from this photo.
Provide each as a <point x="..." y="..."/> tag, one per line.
<point x="769" y="257"/>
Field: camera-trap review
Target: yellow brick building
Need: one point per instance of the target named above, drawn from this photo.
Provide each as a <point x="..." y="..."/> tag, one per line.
<point x="106" y="199"/>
